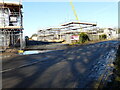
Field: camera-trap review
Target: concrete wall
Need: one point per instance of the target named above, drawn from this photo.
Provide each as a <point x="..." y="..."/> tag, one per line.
<point x="93" y="37"/>
<point x="68" y="38"/>
<point x="41" y="38"/>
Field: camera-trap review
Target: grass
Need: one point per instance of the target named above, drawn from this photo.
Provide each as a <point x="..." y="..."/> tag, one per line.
<point x="88" y="42"/>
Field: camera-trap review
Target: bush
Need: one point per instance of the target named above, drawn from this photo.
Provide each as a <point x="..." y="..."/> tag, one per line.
<point x="119" y="31"/>
<point x="116" y="82"/>
<point x="83" y="37"/>
<point x="117" y="62"/>
<point x="103" y="36"/>
<point x="116" y="74"/>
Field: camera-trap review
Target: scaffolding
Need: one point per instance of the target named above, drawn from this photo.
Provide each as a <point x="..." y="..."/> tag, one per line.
<point x="11" y="27"/>
<point x="65" y="30"/>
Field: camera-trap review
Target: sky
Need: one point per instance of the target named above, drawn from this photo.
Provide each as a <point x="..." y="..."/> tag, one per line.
<point x="38" y="15"/>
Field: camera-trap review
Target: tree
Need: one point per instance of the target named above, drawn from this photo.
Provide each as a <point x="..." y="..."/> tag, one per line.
<point x="118" y="30"/>
<point x="103" y="36"/>
<point x="83" y="37"/>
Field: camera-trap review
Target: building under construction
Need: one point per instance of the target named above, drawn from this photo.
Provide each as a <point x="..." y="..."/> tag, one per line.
<point x="67" y="31"/>
<point x="11" y="27"/>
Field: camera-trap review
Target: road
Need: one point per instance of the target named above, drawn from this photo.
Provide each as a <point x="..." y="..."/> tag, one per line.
<point x="75" y="67"/>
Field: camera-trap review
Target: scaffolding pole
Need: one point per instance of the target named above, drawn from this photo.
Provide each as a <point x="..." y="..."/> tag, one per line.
<point x="21" y="40"/>
<point x="21" y="34"/>
<point x="9" y="34"/>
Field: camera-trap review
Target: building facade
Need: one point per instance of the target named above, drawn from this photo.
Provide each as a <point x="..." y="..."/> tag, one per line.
<point x="11" y="27"/>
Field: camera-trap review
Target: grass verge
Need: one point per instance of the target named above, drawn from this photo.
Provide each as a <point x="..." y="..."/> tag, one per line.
<point x="115" y="83"/>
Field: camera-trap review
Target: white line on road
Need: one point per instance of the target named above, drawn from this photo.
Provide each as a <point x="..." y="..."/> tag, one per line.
<point x="25" y="65"/>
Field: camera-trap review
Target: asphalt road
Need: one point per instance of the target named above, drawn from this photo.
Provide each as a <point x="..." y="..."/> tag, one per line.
<point x="75" y="67"/>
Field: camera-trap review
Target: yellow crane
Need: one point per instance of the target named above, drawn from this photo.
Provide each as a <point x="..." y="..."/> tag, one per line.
<point x="74" y="11"/>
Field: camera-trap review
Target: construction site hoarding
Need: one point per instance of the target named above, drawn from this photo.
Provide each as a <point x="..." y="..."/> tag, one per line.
<point x="75" y="37"/>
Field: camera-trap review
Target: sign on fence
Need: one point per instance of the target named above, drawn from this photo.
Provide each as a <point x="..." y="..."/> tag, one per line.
<point x="75" y="37"/>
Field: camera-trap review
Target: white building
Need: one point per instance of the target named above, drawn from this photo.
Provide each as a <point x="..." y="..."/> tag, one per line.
<point x="111" y="33"/>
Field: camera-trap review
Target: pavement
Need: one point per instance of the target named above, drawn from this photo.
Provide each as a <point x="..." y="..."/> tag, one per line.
<point x="74" y="67"/>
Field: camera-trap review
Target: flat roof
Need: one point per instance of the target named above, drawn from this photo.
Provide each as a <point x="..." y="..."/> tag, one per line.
<point x="83" y="23"/>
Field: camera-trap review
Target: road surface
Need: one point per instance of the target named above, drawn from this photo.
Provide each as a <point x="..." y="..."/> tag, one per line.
<point x="75" y="67"/>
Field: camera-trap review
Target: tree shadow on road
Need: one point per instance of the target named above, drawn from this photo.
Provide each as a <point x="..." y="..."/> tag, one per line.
<point x="65" y="69"/>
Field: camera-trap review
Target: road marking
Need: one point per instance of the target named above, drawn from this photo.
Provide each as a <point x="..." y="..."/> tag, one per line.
<point x="25" y="65"/>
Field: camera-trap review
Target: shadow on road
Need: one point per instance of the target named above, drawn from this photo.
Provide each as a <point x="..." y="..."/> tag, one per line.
<point x="63" y="69"/>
